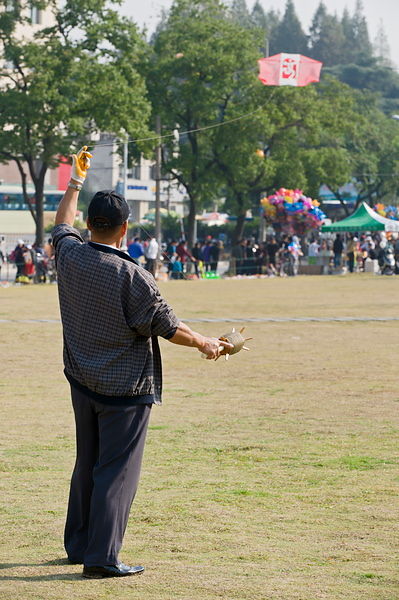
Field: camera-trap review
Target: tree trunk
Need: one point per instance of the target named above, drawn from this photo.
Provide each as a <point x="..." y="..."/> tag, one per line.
<point x="25" y="194"/>
<point x="241" y="214"/>
<point x="343" y="203"/>
<point x="191" y="233"/>
<point x="39" y="198"/>
<point x="239" y="228"/>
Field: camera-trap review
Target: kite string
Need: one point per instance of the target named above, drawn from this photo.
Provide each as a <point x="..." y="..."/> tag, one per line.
<point x="199" y="129"/>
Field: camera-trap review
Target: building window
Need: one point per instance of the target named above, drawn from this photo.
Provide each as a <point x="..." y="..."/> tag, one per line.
<point x="134" y="172"/>
<point x="36" y="15"/>
<point x="11" y="5"/>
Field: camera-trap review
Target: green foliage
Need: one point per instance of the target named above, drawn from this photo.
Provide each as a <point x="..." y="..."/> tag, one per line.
<point x="379" y="79"/>
<point x="360" y="46"/>
<point x="326" y="38"/>
<point x="65" y="82"/>
<point x="303" y="135"/>
<point x="240" y="13"/>
<point x="259" y="18"/>
<point x="202" y="73"/>
<point x="288" y="35"/>
<point x="372" y="151"/>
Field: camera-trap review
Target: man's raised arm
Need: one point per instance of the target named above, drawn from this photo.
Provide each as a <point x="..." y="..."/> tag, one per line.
<point x="66" y="212"/>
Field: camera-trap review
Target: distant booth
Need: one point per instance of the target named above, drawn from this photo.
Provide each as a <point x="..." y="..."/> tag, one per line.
<point x="363" y="219"/>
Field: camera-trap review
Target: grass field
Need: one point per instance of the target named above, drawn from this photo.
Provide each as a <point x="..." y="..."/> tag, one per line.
<point x="271" y="476"/>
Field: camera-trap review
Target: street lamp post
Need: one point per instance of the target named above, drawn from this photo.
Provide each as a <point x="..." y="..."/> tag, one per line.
<point x="158" y="158"/>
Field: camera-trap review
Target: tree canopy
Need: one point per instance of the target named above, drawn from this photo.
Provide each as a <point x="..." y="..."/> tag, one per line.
<point x="91" y="71"/>
<point x="65" y="82"/>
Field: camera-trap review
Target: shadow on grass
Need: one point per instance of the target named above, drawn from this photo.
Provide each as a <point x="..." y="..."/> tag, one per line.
<point x="55" y="577"/>
<point x="44" y="577"/>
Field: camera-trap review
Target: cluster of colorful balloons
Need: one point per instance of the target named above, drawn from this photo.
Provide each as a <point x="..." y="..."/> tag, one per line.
<point x="390" y="212"/>
<point x="292" y="211"/>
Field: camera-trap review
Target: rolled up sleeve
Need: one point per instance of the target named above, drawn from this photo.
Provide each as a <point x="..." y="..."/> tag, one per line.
<point x="149" y="314"/>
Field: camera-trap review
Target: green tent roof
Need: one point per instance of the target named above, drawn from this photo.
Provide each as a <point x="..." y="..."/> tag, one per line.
<point x="363" y="219"/>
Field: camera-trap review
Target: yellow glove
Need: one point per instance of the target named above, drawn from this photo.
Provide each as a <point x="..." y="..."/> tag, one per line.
<point x="80" y="165"/>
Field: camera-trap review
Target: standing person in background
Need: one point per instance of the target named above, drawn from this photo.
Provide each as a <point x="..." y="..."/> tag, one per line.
<point x="169" y="254"/>
<point x="112" y="314"/>
<point x="214" y="256"/>
<point x="206" y="253"/>
<point x="295" y="252"/>
<point x="184" y="254"/>
<point x="313" y="249"/>
<point x="338" y="248"/>
<point x="2" y="260"/>
<point x="396" y="253"/>
<point x="272" y="248"/>
<point x="176" y="267"/>
<point x="351" y="253"/>
<point x="199" y="258"/>
<point x="135" y="249"/>
<point x="151" y="255"/>
<point x="171" y="249"/>
<point x="30" y="262"/>
<point x="18" y="258"/>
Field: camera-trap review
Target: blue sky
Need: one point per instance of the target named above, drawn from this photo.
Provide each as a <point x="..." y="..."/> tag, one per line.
<point x="146" y="12"/>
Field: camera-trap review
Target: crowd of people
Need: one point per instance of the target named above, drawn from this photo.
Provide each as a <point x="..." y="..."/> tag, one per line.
<point x="379" y="250"/>
<point x="33" y="263"/>
<point x="277" y="256"/>
<point x="178" y="258"/>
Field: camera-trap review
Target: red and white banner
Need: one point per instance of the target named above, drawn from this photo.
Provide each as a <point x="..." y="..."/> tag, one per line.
<point x="289" y="69"/>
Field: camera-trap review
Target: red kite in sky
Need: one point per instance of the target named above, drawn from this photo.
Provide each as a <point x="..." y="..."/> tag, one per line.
<point x="289" y="69"/>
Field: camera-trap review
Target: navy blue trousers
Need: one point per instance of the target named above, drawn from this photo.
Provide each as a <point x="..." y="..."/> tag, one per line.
<point x="109" y="450"/>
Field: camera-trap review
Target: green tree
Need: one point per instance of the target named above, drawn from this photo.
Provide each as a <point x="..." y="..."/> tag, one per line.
<point x="288" y="35"/>
<point x="372" y="146"/>
<point x="259" y="17"/>
<point x="63" y="83"/>
<point x="203" y="63"/>
<point x="240" y="13"/>
<point x="298" y="139"/>
<point x="239" y="155"/>
<point x="326" y="38"/>
<point x="359" y="49"/>
<point x="382" y="49"/>
<point x="382" y="81"/>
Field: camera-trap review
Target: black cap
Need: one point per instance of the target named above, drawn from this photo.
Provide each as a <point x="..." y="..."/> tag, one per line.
<point x="107" y="209"/>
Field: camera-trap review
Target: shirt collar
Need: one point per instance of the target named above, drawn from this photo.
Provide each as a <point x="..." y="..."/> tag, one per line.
<point x="112" y="250"/>
<point x="108" y="245"/>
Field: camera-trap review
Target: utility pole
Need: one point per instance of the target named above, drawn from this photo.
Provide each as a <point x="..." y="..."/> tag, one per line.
<point x="262" y="224"/>
<point x="125" y="162"/>
<point x="125" y="156"/>
<point x="158" y="159"/>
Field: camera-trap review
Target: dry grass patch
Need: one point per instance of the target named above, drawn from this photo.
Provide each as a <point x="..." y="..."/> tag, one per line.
<point x="270" y="476"/>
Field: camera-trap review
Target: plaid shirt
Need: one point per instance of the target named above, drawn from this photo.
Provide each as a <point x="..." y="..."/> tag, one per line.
<point x="112" y="313"/>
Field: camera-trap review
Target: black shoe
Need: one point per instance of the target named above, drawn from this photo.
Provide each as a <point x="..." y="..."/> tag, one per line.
<point x="119" y="570"/>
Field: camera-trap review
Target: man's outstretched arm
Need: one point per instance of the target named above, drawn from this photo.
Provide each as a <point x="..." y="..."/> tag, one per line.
<point x="211" y="347"/>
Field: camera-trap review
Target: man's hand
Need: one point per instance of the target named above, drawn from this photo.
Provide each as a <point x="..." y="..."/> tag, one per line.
<point x="212" y="348"/>
<point x="80" y="165"/>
